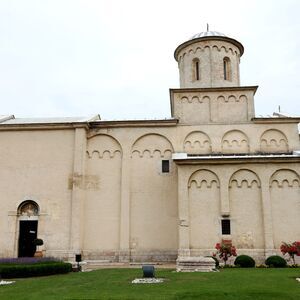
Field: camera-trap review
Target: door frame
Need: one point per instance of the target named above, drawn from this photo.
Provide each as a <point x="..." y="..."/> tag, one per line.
<point x="19" y="235"/>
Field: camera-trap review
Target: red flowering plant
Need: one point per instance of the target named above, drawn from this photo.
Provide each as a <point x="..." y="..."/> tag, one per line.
<point x="225" y="251"/>
<point x="291" y="249"/>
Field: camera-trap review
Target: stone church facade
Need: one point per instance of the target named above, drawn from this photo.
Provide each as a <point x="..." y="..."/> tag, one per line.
<point x="153" y="190"/>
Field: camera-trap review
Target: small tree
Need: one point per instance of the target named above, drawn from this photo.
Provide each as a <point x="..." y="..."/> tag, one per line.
<point x="225" y="251"/>
<point x="291" y="249"/>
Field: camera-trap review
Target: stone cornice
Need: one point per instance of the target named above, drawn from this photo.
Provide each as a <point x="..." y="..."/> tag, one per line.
<point x="93" y="124"/>
<point x="216" y="89"/>
<point x="135" y="123"/>
<point x="43" y="126"/>
<point x="276" y="120"/>
<point x="184" y="159"/>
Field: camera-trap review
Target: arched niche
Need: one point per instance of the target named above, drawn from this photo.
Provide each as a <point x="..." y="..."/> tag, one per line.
<point x="204" y="209"/>
<point x="103" y="146"/>
<point x="285" y="178"/>
<point x="102" y="185"/>
<point x="246" y="210"/>
<point x="232" y="109"/>
<point x="273" y="140"/>
<point x="204" y="178"/>
<point x="235" y="141"/>
<point x="152" y="145"/>
<point x="285" y="203"/>
<point x="153" y="202"/>
<point x="197" y="142"/>
<point x="28" y="208"/>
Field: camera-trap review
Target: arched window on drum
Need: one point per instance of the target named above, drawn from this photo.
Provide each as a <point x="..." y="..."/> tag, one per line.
<point x="227" y="68"/>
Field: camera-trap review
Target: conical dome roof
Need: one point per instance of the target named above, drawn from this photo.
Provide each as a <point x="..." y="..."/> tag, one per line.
<point x="207" y="33"/>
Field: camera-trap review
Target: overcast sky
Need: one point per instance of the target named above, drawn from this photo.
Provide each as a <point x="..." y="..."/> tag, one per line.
<point x="115" y="58"/>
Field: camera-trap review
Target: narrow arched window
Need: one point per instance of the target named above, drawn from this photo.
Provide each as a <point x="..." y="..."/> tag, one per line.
<point x="227" y="68"/>
<point x="196" y="69"/>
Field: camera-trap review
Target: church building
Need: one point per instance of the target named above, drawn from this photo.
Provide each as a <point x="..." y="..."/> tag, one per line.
<point x="156" y="190"/>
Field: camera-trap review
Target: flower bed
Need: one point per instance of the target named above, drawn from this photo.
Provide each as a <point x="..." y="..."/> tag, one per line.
<point x="27" y="260"/>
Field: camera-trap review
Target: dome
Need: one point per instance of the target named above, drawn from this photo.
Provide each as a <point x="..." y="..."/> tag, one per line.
<point x="207" y="33"/>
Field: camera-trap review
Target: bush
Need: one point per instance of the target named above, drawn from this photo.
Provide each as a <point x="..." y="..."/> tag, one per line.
<point x="38" y="242"/>
<point x="31" y="270"/>
<point x="275" y="261"/>
<point x="244" y="261"/>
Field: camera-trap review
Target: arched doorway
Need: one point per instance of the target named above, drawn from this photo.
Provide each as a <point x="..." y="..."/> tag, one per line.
<point x="28" y="212"/>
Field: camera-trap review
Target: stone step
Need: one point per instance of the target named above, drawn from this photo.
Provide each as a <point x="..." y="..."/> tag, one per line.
<point x="195" y="264"/>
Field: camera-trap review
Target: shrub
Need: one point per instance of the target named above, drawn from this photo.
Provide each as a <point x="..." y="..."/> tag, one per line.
<point x="225" y="251"/>
<point x="244" y="261"/>
<point x="291" y="249"/>
<point x="38" y="242"/>
<point x="275" y="261"/>
<point x="31" y="270"/>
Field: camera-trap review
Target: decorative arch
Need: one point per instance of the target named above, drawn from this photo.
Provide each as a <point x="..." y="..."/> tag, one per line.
<point x="204" y="178"/>
<point x="273" y="140"/>
<point x="235" y="141"/>
<point x="103" y="146"/>
<point x="207" y="48"/>
<point x="28" y="208"/>
<point x="198" y="49"/>
<point x="221" y="99"/>
<point x="230" y="50"/>
<point x="152" y="144"/>
<point x="285" y="178"/>
<point x="197" y="142"/>
<point x="184" y="99"/>
<point x="243" y="98"/>
<point x="244" y="177"/>
<point x="223" y="48"/>
<point x="195" y="99"/>
<point x="232" y="99"/>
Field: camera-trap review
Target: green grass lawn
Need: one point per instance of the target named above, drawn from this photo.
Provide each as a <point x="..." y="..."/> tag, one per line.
<point x="116" y="284"/>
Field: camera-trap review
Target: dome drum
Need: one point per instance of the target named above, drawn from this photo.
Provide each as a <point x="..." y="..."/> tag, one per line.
<point x="209" y="59"/>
